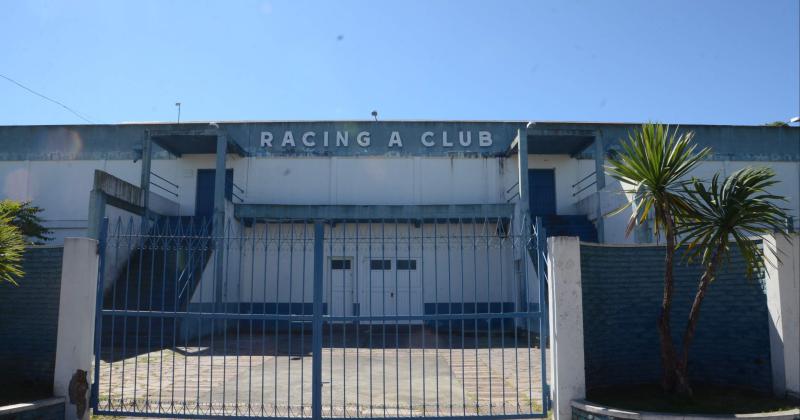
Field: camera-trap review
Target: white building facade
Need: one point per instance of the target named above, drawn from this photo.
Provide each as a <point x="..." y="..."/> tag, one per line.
<point x="420" y="217"/>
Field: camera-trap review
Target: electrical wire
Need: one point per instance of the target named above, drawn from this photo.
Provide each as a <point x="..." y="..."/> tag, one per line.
<point x="76" y="113"/>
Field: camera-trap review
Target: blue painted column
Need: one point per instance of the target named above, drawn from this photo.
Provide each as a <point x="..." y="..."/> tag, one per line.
<point x="524" y="203"/>
<point x="524" y="223"/>
<point x="97" y="212"/>
<point x="316" y="360"/>
<point x="144" y="183"/>
<point x="600" y="179"/>
<point x="219" y="217"/>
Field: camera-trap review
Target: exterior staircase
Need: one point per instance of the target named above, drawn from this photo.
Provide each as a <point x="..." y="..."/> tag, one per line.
<point x="161" y="274"/>
<point x="569" y="225"/>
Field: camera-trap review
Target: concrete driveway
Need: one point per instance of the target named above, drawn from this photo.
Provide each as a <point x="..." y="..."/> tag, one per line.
<point x="377" y="373"/>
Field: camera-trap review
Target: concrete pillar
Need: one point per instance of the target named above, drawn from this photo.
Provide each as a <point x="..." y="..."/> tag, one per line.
<point x="144" y="183"/>
<point x="97" y="212"/>
<point x="219" y="216"/>
<point x="524" y="219"/>
<point x="600" y="176"/>
<point x="76" y="312"/>
<point x="783" y="303"/>
<point x="566" y="324"/>
<point x="524" y="204"/>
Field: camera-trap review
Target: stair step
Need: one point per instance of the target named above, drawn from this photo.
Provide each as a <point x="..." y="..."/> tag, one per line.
<point x="570" y="225"/>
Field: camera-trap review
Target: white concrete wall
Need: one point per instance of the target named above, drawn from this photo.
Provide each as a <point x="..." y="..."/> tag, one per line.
<point x="62" y="187"/>
<point x="76" y="318"/>
<point x="374" y="180"/>
<point x="789" y="186"/>
<point x="283" y="272"/>
<point x="568" y="171"/>
<point x="783" y="302"/>
<point x="123" y="239"/>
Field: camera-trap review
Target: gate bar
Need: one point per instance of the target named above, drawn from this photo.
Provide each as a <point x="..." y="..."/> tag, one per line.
<point x="316" y="366"/>
<point x="94" y="400"/>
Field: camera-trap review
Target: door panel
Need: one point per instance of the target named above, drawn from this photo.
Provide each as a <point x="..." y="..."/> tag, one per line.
<point x="340" y="281"/>
<point x="204" y="199"/>
<point x="394" y="289"/>
<point x="378" y="297"/>
<point x="408" y="298"/>
<point x="542" y="191"/>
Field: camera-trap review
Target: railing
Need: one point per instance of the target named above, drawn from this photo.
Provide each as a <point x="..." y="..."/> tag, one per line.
<point x="513" y="196"/>
<point x="584" y="183"/>
<point x="241" y="191"/>
<point x="170" y="188"/>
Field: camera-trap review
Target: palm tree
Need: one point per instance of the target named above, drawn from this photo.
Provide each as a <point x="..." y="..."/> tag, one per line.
<point x="652" y="169"/>
<point x="12" y="245"/>
<point x="725" y="215"/>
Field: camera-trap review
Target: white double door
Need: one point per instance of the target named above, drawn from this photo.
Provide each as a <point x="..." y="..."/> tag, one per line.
<point x="386" y="287"/>
<point x="394" y="288"/>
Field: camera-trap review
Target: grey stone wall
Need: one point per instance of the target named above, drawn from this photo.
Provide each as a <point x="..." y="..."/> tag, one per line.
<point x="622" y="292"/>
<point x="29" y="324"/>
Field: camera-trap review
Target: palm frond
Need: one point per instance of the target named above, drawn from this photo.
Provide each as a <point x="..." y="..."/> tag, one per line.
<point x="732" y="211"/>
<point x="652" y="168"/>
<point x="12" y="245"/>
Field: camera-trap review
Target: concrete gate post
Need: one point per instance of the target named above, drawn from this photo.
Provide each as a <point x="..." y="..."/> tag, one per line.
<point x="566" y="324"/>
<point x="76" y="311"/>
<point x="783" y="303"/>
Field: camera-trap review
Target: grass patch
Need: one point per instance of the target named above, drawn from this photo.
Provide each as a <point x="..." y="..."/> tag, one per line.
<point x="707" y="399"/>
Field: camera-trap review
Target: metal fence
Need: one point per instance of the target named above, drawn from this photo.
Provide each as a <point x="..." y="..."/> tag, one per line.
<point x="289" y="319"/>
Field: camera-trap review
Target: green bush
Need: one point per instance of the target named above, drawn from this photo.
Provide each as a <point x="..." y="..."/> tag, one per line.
<point x="25" y="217"/>
<point x="12" y="245"/>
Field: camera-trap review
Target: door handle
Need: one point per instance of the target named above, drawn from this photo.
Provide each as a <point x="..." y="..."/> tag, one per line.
<point x="391" y="294"/>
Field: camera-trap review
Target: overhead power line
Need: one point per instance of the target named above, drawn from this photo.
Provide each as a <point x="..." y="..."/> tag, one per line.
<point x="76" y="113"/>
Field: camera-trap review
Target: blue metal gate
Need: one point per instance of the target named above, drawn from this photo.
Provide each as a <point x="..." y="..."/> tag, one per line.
<point x="322" y="319"/>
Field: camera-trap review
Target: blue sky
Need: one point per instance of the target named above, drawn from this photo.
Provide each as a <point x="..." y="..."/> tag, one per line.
<point x="726" y="62"/>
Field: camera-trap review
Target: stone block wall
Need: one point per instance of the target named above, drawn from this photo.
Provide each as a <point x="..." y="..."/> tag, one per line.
<point x="29" y="324"/>
<point x="622" y="292"/>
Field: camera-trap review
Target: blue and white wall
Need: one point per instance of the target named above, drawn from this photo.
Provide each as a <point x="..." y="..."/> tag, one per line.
<point x="53" y="166"/>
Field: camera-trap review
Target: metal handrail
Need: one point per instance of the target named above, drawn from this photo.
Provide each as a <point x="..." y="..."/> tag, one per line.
<point x="584" y="188"/>
<point x="512" y="187"/>
<point x="516" y="194"/>
<point x="165" y="180"/>
<point x="584" y="179"/>
<point x="166" y="190"/>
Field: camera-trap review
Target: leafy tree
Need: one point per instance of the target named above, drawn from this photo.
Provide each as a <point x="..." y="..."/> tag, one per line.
<point x="25" y="217"/>
<point x="12" y="246"/>
<point x="652" y="168"/>
<point x="727" y="214"/>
